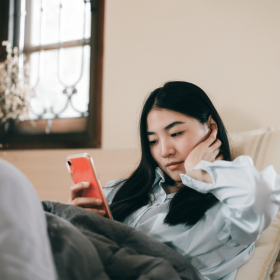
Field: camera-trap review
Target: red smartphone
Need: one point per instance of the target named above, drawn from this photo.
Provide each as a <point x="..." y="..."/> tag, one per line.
<point x="82" y="169"/>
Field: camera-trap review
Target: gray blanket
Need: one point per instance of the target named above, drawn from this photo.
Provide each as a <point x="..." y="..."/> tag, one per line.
<point x="88" y="246"/>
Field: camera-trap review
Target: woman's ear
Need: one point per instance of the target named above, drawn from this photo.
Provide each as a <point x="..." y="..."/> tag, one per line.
<point x="211" y="123"/>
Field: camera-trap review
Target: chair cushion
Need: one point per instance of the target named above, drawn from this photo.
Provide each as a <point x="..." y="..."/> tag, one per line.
<point x="276" y="271"/>
<point x="263" y="146"/>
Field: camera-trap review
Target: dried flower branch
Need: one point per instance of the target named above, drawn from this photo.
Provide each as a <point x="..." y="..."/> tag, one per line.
<point x="15" y="92"/>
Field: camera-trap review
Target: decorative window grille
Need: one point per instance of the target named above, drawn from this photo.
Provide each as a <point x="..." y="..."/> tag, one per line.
<point x="62" y="40"/>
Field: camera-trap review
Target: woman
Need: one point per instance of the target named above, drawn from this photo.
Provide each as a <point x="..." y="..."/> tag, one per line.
<point x="187" y="192"/>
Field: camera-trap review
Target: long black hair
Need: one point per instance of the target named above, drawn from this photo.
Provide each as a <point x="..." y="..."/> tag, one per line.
<point x="187" y="206"/>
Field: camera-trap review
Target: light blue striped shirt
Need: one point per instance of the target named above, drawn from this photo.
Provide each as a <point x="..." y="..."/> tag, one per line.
<point x="224" y="240"/>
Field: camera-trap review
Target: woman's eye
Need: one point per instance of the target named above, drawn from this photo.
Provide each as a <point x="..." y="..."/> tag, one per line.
<point x="176" y="134"/>
<point x="153" y="142"/>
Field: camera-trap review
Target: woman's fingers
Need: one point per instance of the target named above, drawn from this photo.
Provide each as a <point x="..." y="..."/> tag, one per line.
<point x="211" y="155"/>
<point x="86" y="202"/>
<point x="90" y="203"/>
<point x="207" y="150"/>
<point x="76" y="189"/>
<point x="216" y="144"/>
<point x="220" y="157"/>
<point x="215" y="153"/>
<point x="212" y="137"/>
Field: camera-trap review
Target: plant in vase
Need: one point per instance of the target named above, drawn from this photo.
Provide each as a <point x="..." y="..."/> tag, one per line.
<point x="15" y="92"/>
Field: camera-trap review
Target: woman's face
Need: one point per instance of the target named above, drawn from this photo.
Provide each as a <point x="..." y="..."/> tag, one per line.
<point x="172" y="137"/>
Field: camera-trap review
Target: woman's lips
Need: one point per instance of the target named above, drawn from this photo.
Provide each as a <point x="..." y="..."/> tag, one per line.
<point x="174" y="166"/>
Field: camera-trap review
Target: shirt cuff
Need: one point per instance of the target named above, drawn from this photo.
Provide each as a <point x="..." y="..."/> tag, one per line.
<point x="195" y="184"/>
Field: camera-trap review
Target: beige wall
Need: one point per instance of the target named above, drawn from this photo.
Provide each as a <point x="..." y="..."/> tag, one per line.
<point x="229" y="48"/>
<point x="47" y="171"/>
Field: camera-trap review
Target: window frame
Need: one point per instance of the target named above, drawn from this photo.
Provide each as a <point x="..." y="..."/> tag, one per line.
<point x="91" y="138"/>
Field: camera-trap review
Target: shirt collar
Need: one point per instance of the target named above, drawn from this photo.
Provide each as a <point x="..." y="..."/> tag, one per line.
<point x="157" y="186"/>
<point x="160" y="175"/>
<point x="159" y="178"/>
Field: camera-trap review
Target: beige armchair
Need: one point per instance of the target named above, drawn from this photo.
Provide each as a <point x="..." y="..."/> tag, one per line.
<point x="263" y="146"/>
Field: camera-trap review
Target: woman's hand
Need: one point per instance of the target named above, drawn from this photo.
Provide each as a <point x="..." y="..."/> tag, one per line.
<point x="207" y="150"/>
<point x="89" y="203"/>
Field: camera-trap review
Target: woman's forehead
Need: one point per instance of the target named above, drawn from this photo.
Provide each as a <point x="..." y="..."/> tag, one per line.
<point x="161" y="118"/>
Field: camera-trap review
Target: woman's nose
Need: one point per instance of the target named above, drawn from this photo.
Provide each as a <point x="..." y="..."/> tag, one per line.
<point x="167" y="150"/>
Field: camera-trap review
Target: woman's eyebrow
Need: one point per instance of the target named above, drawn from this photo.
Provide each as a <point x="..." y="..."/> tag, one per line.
<point x="172" y="124"/>
<point x="150" y="133"/>
<point x="167" y="127"/>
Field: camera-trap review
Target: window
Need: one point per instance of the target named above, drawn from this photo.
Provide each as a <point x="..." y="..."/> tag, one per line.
<point x="63" y="43"/>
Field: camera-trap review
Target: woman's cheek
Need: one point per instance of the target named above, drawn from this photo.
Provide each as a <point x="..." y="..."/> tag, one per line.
<point x="186" y="148"/>
<point x="154" y="153"/>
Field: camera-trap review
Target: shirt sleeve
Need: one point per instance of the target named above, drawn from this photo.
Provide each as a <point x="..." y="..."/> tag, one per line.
<point x="249" y="198"/>
<point x="111" y="189"/>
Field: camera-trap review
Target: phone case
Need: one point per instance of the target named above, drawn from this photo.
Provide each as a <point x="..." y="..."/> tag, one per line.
<point x="81" y="169"/>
